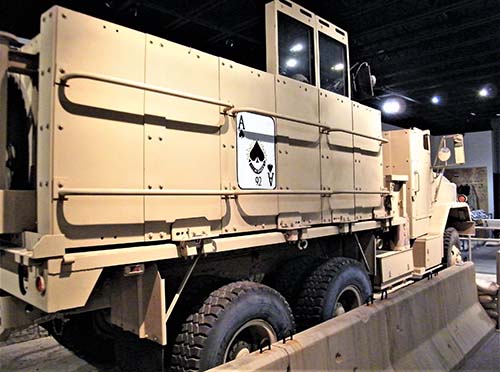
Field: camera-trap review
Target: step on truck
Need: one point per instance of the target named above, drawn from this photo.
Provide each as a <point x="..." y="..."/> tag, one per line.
<point x="167" y="207"/>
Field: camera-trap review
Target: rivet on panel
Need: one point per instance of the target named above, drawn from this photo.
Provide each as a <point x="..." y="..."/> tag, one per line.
<point x="40" y="184"/>
<point x="234" y="229"/>
<point x="161" y="187"/>
<point x="42" y="73"/>
<point x="223" y="64"/>
<point x="103" y="26"/>
<point x="160" y="138"/>
<point x="43" y="19"/>
<point x="226" y="230"/>
<point x="150" y="41"/>
<point x="161" y="235"/>
<point x="232" y="146"/>
<point x="48" y="70"/>
<point x="150" y="187"/>
<point x="63" y="15"/>
<point x="161" y="45"/>
<point x="258" y="75"/>
<point x="223" y="146"/>
<point x="47" y="126"/>
<point x="198" y="56"/>
<point x="60" y="127"/>
<point x="150" y="138"/>
<point x="116" y="30"/>
<point x="60" y="185"/>
<point x="150" y="236"/>
<point x="46" y="183"/>
<point x="62" y="71"/>
<point x="234" y="187"/>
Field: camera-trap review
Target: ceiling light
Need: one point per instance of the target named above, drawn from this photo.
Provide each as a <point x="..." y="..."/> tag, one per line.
<point x="436" y="100"/>
<point x="297" y="48"/>
<point x="473" y="113"/>
<point x="391" y="106"/>
<point x="338" y="67"/>
<point x="291" y="62"/>
<point x="498" y="114"/>
<point x="484" y="92"/>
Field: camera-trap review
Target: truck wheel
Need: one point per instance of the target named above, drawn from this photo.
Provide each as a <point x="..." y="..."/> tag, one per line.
<point x="451" y="245"/>
<point x="336" y="287"/>
<point x="85" y="335"/>
<point x="234" y="320"/>
<point x="290" y="276"/>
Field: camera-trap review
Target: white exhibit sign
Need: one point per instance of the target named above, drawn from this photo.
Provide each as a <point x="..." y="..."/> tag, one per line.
<point x="256" y="151"/>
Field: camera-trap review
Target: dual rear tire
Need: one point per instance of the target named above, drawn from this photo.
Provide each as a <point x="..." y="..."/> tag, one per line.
<point x="234" y="320"/>
<point x="242" y="317"/>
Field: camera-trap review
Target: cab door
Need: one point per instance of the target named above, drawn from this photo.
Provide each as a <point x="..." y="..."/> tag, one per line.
<point x="421" y="180"/>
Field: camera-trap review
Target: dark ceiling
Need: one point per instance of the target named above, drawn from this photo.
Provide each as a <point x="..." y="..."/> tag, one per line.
<point x="416" y="48"/>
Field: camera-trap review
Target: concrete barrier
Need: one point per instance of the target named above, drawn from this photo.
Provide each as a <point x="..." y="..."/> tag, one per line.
<point x="430" y="325"/>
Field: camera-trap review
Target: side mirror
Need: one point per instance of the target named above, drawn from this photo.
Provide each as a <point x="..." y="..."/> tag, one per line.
<point x="363" y="81"/>
<point x="458" y="141"/>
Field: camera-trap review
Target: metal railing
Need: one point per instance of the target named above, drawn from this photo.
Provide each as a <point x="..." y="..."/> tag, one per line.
<point x="229" y="108"/>
<point x="470" y="238"/>
<point x="147" y="192"/>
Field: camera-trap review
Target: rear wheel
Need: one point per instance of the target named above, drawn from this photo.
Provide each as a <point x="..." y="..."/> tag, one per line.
<point x="233" y="321"/>
<point x="334" y="288"/>
<point x="88" y="335"/>
<point x="451" y="245"/>
<point x="290" y="276"/>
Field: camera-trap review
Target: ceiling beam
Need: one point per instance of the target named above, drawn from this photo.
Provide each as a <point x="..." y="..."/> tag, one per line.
<point x="410" y="42"/>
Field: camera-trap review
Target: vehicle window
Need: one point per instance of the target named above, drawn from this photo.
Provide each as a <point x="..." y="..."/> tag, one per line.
<point x="333" y="65"/>
<point x="426" y="142"/>
<point x="295" y="49"/>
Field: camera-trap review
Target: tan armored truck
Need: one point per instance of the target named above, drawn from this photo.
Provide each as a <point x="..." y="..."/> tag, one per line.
<point x="185" y="209"/>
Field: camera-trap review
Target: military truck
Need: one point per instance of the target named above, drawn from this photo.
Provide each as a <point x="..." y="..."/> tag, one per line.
<point x="184" y="209"/>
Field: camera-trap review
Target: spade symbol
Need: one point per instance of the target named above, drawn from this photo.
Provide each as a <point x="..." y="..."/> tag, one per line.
<point x="256" y="154"/>
<point x="270" y="167"/>
<point x="242" y="134"/>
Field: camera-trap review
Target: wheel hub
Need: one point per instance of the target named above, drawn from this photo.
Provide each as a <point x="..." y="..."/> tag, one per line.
<point x="348" y="299"/>
<point x="248" y="339"/>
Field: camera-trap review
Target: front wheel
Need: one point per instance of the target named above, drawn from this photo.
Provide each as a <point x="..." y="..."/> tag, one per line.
<point x="451" y="245"/>
<point x="233" y="321"/>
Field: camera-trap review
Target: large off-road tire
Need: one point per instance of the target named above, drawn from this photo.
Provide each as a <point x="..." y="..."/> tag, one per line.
<point x="290" y="276"/>
<point x="337" y="286"/>
<point x="451" y="245"/>
<point x="85" y="335"/>
<point x="233" y="321"/>
<point x="138" y="355"/>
